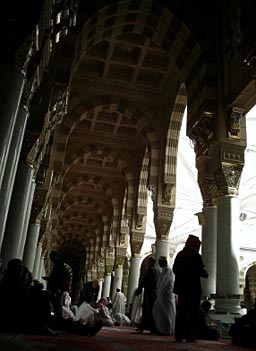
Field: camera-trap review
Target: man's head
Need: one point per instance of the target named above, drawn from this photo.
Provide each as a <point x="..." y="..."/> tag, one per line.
<point x="151" y="261"/>
<point x="162" y="261"/>
<point x="193" y="242"/>
<point x="53" y="256"/>
<point x="95" y="284"/>
<point x="206" y="305"/>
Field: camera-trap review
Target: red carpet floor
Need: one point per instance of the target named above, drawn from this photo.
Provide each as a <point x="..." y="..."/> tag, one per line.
<point x="111" y="339"/>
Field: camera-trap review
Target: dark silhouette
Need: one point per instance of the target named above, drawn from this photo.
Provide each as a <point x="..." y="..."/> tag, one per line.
<point x="57" y="282"/>
<point x="188" y="268"/>
<point x="205" y="328"/>
<point x="243" y="331"/>
<point x="89" y="293"/>
<point x="26" y="306"/>
<point x="149" y="283"/>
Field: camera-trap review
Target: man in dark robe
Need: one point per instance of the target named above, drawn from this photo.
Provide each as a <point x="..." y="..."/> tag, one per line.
<point x="149" y="283"/>
<point x="188" y="268"/>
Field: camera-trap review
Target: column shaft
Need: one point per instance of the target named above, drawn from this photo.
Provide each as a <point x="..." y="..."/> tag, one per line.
<point x="37" y="262"/>
<point x="133" y="280"/>
<point x="11" y="168"/>
<point x="209" y="249"/>
<point x="106" y="285"/>
<point x="16" y="216"/>
<point x="31" y="245"/>
<point x="227" y="286"/>
<point x="12" y="84"/>
<point x="118" y="279"/>
<point x="162" y="249"/>
<point x="31" y="192"/>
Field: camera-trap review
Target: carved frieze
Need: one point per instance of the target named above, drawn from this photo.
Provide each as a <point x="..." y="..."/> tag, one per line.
<point x="163" y="217"/>
<point x="137" y="239"/>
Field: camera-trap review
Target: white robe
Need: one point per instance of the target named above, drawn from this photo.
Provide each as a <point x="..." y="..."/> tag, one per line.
<point x="164" y="310"/>
<point x="136" y="314"/>
<point x="86" y="313"/>
<point x="118" y="303"/>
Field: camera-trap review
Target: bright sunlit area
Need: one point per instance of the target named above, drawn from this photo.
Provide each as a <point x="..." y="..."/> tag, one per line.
<point x="189" y="199"/>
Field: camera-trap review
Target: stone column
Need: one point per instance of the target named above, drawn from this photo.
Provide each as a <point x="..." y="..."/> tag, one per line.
<point x="137" y="239"/>
<point x="209" y="249"/>
<point x="118" y="279"/>
<point x="37" y="261"/>
<point x="100" y="281"/>
<point x="17" y="214"/>
<point x="133" y="280"/>
<point x="162" y="249"/>
<point x="40" y="268"/>
<point x="227" y="286"/>
<point x="11" y="168"/>
<point x="31" y="193"/>
<point x="106" y="285"/>
<point x="12" y="85"/>
<point x="31" y="245"/>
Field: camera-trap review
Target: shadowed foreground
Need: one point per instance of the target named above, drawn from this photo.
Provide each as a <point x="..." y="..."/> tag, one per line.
<point x="110" y="339"/>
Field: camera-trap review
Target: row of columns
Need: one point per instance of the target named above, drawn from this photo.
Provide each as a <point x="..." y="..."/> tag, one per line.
<point x="18" y="238"/>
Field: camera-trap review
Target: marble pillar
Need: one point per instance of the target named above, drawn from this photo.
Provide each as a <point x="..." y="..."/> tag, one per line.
<point x="227" y="285"/>
<point x="31" y="245"/>
<point x="100" y="281"/>
<point x="31" y="192"/>
<point x="117" y="281"/>
<point x="41" y="268"/>
<point x="11" y="89"/>
<point x="35" y="271"/>
<point x="209" y="249"/>
<point x="106" y="285"/>
<point x="11" y="168"/>
<point x="17" y="214"/>
<point x="162" y="249"/>
<point x="133" y="279"/>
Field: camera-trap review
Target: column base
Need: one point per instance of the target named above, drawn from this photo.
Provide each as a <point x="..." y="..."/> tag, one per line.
<point x="229" y="305"/>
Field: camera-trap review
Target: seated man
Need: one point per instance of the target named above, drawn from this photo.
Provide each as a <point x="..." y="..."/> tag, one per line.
<point x="243" y="331"/>
<point x="205" y="327"/>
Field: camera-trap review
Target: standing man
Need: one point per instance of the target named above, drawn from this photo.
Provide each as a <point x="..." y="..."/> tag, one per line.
<point x="149" y="284"/>
<point x="188" y="268"/>
<point x="56" y="283"/>
<point x="164" y="310"/>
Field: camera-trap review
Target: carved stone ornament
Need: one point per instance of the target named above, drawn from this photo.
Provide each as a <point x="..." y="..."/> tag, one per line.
<point x="153" y="193"/>
<point x="168" y="193"/>
<point x="124" y="236"/>
<point x="136" y="248"/>
<point x="139" y="222"/>
<point x="120" y="251"/>
<point x="232" y="174"/>
<point x="235" y="122"/>
<point x="59" y="104"/>
<point x="162" y="229"/>
<point x="202" y="133"/>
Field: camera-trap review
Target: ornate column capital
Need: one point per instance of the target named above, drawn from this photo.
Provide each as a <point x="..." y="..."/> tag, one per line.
<point x="137" y="239"/>
<point x="120" y="256"/>
<point x="226" y="166"/>
<point x="163" y="217"/>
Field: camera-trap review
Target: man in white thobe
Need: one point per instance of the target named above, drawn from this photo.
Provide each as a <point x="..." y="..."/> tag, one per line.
<point x="164" y="310"/>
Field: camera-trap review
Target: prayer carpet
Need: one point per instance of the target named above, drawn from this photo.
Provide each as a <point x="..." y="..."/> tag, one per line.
<point x="116" y="339"/>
